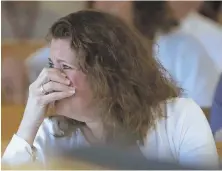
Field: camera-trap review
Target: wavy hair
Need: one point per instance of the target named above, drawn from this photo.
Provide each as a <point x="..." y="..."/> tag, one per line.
<point x="124" y="76"/>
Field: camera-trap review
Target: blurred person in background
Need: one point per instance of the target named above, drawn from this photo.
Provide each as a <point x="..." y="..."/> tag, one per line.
<point x="202" y="27"/>
<point x="108" y="89"/>
<point x="216" y="113"/>
<point x="21" y="16"/>
<point x="213" y="11"/>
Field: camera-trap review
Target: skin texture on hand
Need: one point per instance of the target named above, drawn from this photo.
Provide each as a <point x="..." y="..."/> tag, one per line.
<point x="50" y="86"/>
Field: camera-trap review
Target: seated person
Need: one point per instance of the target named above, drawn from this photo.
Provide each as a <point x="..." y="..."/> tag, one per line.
<point x="216" y="113"/>
<point x="106" y="88"/>
<point x="207" y="31"/>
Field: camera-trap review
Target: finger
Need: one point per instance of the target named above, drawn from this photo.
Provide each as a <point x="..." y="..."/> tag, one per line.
<point x="57" y="96"/>
<point x="54" y="86"/>
<point x="52" y="74"/>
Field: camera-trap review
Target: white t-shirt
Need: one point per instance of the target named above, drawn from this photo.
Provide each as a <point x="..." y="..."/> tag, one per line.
<point x="190" y="66"/>
<point x="184" y="137"/>
<point x="208" y="32"/>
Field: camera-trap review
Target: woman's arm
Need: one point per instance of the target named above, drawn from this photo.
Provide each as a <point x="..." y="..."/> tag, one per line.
<point x="41" y="93"/>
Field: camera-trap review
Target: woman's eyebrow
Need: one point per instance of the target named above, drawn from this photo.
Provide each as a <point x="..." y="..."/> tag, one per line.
<point x="60" y="60"/>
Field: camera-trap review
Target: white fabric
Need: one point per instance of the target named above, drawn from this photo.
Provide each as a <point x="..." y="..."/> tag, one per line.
<point x="189" y="65"/>
<point x="183" y="137"/>
<point x="208" y="32"/>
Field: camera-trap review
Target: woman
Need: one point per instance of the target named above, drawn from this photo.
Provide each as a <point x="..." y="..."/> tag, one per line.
<point x="105" y="83"/>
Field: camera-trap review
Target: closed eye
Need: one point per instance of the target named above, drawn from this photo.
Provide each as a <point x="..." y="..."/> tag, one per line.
<point x="66" y="66"/>
<point x="50" y="64"/>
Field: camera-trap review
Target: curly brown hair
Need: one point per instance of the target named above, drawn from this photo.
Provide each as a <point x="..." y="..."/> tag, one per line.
<point x="119" y="65"/>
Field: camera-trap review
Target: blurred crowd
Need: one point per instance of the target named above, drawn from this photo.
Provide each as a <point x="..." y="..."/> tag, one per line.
<point x="186" y="38"/>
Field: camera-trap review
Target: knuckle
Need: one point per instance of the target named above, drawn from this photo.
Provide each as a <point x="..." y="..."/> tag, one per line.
<point x="40" y="100"/>
<point x="31" y="87"/>
<point x="50" y="85"/>
<point x="45" y="70"/>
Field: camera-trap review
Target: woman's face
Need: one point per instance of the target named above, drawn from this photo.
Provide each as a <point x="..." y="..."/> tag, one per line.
<point x="64" y="58"/>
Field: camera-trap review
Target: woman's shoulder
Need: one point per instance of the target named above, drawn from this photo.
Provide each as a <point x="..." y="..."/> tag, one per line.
<point x="183" y="107"/>
<point x="184" y="114"/>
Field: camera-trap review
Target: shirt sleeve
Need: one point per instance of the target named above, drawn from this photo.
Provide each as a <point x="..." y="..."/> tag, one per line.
<point x="196" y="146"/>
<point x="18" y="152"/>
<point x="195" y="72"/>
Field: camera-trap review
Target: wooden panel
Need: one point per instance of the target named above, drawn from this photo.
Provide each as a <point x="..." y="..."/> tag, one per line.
<point x="11" y="117"/>
<point x="206" y="112"/>
<point x="219" y="148"/>
<point x="20" y="49"/>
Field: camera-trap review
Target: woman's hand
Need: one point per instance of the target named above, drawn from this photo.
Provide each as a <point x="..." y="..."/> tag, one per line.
<point x="51" y="85"/>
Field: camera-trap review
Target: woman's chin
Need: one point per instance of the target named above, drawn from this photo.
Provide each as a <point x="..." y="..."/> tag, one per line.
<point x="61" y="108"/>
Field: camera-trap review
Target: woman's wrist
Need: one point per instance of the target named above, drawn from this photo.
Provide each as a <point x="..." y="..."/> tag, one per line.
<point x="28" y="130"/>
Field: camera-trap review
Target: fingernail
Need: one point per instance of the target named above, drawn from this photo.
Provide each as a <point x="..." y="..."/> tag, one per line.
<point x="68" y="81"/>
<point x="72" y="88"/>
<point x="64" y="75"/>
<point x="72" y="91"/>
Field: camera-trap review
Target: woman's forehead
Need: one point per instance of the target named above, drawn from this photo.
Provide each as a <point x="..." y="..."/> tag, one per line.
<point x="62" y="51"/>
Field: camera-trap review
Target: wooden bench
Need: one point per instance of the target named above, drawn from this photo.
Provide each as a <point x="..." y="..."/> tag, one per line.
<point x="206" y="112"/>
<point x="11" y="117"/>
<point x="219" y="148"/>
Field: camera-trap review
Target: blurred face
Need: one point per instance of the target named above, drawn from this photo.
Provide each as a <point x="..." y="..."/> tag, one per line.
<point x="79" y="105"/>
<point x="121" y="9"/>
<point x="182" y="8"/>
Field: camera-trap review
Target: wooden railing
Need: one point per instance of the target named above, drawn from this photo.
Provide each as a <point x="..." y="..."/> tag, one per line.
<point x="20" y="49"/>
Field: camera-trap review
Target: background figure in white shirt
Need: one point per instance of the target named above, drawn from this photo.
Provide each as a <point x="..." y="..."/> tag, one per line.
<point x="108" y="89"/>
<point x="206" y="30"/>
<point x="180" y="53"/>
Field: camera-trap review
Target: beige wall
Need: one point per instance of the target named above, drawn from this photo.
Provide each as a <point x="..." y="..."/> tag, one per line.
<point x="49" y="12"/>
<point x="63" y="8"/>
